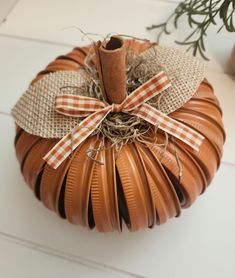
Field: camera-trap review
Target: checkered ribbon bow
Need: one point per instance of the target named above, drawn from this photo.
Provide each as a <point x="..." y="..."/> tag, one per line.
<point x="95" y="112"/>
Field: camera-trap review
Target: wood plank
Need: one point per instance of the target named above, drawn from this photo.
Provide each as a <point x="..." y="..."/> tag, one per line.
<point x="125" y="17"/>
<point x="19" y="260"/>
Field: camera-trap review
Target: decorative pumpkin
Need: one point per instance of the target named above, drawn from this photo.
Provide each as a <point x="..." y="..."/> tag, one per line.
<point x="142" y="182"/>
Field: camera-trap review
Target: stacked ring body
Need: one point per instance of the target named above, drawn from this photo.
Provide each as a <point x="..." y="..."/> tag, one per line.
<point x="141" y="186"/>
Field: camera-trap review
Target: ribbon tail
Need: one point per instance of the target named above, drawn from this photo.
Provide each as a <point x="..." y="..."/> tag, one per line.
<point x="182" y="132"/>
<point x="72" y="140"/>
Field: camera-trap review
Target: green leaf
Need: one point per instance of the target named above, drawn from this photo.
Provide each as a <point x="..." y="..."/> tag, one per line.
<point x="200" y="14"/>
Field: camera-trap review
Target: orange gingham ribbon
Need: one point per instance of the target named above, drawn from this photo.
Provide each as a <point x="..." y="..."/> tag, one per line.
<point x="96" y="111"/>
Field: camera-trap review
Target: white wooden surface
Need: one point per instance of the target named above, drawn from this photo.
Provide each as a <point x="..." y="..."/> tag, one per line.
<point x="5" y="8"/>
<point x="33" y="241"/>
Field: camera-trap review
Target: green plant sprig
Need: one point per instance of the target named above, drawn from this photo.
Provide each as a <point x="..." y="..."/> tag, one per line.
<point x="201" y="14"/>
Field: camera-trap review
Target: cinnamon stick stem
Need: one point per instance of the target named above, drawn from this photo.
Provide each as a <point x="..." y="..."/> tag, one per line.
<point x="111" y="66"/>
